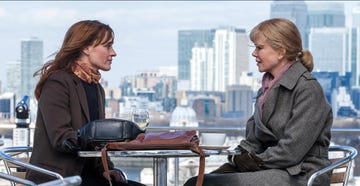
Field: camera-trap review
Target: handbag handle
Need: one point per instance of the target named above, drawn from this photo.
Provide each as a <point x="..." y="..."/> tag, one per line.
<point x="178" y="140"/>
<point x="105" y="164"/>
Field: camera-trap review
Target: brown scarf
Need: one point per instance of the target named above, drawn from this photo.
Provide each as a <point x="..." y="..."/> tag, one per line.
<point x="84" y="71"/>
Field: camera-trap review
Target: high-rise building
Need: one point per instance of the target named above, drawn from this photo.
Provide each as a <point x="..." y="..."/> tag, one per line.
<point x="13" y="77"/>
<point x="309" y="15"/>
<point x="213" y="68"/>
<point x="231" y="57"/>
<point x="186" y="41"/>
<point x="31" y="61"/>
<point x="328" y="14"/>
<point x="329" y="49"/>
<point x="202" y="68"/>
<point x="295" y="11"/>
<point x="354" y="47"/>
<point x="324" y="14"/>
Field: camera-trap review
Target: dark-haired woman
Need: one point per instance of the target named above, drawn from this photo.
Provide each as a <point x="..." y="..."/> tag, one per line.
<point x="69" y="96"/>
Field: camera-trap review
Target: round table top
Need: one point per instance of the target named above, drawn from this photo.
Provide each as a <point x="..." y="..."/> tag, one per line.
<point x="157" y="153"/>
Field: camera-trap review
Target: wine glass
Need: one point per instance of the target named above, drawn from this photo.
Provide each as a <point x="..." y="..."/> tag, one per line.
<point x="141" y="118"/>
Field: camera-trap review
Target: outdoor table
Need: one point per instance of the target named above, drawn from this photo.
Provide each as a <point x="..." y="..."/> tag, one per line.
<point x="159" y="158"/>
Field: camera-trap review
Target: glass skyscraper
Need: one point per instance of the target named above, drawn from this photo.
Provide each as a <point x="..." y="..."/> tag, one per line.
<point x="354" y="42"/>
<point x="329" y="49"/>
<point x="329" y="14"/>
<point x="186" y="41"/>
<point x="295" y="11"/>
<point x="31" y="61"/>
<point x="13" y="76"/>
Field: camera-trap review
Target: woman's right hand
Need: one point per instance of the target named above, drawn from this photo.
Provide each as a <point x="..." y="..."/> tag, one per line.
<point x="115" y="175"/>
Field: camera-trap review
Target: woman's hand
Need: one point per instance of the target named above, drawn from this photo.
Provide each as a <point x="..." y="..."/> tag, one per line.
<point x="116" y="175"/>
<point x="247" y="161"/>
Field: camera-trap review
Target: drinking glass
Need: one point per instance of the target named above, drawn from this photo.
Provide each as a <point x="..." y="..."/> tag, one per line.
<point x="141" y="118"/>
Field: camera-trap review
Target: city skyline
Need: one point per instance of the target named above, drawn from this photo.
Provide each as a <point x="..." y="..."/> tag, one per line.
<point x="145" y="31"/>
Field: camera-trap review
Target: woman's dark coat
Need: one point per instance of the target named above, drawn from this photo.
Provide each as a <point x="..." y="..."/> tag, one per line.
<point x="62" y="109"/>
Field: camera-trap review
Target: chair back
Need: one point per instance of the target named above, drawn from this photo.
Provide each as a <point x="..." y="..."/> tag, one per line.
<point x="20" y="153"/>
<point x="340" y="167"/>
<point x="11" y="164"/>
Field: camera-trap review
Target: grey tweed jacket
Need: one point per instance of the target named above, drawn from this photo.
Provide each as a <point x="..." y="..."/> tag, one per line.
<point x="294" y="131"/>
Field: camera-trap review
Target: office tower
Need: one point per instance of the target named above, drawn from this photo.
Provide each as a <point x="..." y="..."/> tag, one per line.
<point x="13" y="77"/>
<point x="295" y="11"/>
<point x="186" y="41"/>
<point x="31" y="61"/>
<point x="201" y="68"/>
<point x="324" y="14"/>
<point x="329" y="49"/>
<point x="354" y="46"/>
<point x="239" y="99"/>
<point x="213" y="68"/>
<point x="231" y="56"/>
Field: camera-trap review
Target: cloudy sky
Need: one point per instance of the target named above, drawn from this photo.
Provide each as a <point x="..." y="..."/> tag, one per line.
<point x="145" y="31"/>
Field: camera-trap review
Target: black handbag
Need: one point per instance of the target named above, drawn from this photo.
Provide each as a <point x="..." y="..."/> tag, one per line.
<point x="96" y="134"/>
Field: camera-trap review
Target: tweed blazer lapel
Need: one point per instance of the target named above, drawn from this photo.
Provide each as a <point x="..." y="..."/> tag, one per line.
<point x="82" y="97"/>
<point x="288" y="80"/>
<point x="261" y="129"/>
<point x="269" y="105"/>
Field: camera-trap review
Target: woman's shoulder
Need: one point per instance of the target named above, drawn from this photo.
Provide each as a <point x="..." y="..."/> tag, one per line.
<point x="66" y="78"/>
<point x="61" y="75"/>
<point x="309" y="76"/>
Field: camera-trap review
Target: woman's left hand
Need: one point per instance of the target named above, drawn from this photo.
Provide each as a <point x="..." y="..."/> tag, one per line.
<point x="116" y="175"/>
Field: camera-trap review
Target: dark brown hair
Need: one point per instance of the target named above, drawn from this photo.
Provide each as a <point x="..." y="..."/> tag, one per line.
<point x="79" y="36"/>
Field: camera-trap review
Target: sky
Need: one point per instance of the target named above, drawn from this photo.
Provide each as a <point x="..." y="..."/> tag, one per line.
<point x="145" y="31"/>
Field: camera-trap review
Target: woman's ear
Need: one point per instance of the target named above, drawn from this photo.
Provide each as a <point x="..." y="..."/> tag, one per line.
<point x="86" y="50"/>
<point x="282" y="53"/>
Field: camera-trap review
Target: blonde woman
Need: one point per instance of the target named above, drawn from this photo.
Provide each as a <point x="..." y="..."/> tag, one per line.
<point x="288" y="136"/>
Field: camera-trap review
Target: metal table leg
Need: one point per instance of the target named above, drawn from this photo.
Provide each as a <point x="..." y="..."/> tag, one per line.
<point x="160" y="171"/>
<point x="176" y="171"/>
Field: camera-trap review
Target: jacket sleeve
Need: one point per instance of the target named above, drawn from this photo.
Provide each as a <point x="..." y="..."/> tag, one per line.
<point x="55" y="110"/>
<point x="251" y="143"/>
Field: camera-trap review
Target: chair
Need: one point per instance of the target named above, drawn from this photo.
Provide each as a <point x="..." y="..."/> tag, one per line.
<point x="340" y="167"/>
<point x="67" y="181"/>
<point x="20" y="153"/>
<point x="12" y="164"/>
